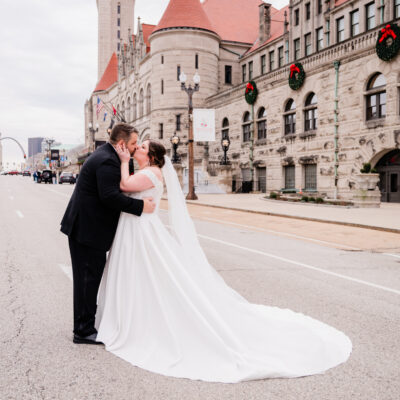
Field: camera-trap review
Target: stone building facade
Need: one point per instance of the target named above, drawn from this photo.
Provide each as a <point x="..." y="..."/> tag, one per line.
<point x="314" y="139"/>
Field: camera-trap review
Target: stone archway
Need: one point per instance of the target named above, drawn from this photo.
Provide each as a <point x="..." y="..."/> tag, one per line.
<point x="388" y="168"/>
<point x="145" y="135"/>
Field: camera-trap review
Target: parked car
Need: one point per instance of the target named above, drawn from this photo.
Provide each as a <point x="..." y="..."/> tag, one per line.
<point x="45" y="176"/>
<point x="26" y="173"/>
<point x="67" y="177"/>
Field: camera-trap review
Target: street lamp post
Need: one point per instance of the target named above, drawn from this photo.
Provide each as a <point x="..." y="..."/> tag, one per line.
<point x="190" y="90"/>
<point x="175" y="140"/>
<point x="93" y="132"/>
<point x="225" y="143"/>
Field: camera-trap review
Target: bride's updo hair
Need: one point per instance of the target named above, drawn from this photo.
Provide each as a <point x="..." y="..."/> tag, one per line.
<point x="156" y="153"/>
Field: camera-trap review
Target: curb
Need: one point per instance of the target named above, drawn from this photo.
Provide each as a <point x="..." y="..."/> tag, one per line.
<point x="352" y="224"/>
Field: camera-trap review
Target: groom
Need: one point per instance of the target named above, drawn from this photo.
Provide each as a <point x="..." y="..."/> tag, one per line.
<point x="90" y="222"/>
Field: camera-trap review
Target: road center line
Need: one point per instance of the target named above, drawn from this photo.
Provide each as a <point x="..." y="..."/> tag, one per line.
<point x="19" y="213"/>
<point x="281" y="233"/>
<point x="349" y="278"/>
<point x="67" y="270"/>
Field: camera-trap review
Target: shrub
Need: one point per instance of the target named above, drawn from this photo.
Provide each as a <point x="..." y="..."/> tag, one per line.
<point x="374" y="171"/>
<point x="273" y="195"/>
<point x="319" y="200"/>
<point x="312" y="199"/>
<point x="305" y="198"/>
<point x="366" y="169"/>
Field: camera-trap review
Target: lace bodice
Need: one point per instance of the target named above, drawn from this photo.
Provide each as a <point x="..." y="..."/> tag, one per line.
<point x="155" y="192"/>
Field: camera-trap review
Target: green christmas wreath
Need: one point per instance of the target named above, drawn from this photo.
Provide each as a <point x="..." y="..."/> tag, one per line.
<point x="297" y="76"/>
<point x="251" y="92"/>
<point x="388" y="42"/>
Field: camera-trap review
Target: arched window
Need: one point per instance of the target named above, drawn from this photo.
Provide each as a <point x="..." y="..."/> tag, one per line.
<point x="128" y="110"/>
<point x="262" y="124"/>
<point x="246" y="127"/>
<point x="225" y="128"/>
<point x="310" y="113"/>
<point x="134" y="108"/>
<point x="148" y="99"/>
<point x="290" y="117"/>
<point x="376" y="97"/>
<point x="123" y="110"/>
<point x="141" y="103"/>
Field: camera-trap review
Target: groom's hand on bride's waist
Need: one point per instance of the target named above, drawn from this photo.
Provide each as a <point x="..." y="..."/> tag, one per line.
<point x="148" y="205"/>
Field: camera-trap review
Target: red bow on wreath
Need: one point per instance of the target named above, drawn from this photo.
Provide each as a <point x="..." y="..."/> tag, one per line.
<point x="387" y="31"/>
<point x="294" y="68"/>
<point x="249" y="86"/>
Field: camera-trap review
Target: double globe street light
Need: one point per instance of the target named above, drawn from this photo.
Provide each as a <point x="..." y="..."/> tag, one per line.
<point x="190" y="90"/>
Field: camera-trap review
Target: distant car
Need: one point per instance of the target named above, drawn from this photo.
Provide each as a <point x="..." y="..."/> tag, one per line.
<point x="67" y="177"/>
<point x="46" y="176"/>
<point x="13" y="173"/>
<point x="26" y="173"/>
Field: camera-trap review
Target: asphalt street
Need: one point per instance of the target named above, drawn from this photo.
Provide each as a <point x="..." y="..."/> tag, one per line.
<point x="330" y="274"/>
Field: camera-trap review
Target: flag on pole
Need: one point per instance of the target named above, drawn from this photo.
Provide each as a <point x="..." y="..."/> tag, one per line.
<point x="105" y="116"/>
<point x="99" y="106"/>
<point x="114" y="110"/>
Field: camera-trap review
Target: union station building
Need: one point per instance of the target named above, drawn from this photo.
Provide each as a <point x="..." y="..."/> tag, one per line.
<point x="312" y="139"/>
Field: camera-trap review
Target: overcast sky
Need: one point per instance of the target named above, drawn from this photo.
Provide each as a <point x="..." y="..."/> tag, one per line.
<point x="48" y="67"/>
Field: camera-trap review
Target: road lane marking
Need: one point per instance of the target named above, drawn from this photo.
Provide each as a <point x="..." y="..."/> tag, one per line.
<point x="67" y="269"/>
<point x="286" y="260"/>
<point x="392" y="255"/>
<point x="281" y="233"/>
<point x="19" y="213"/>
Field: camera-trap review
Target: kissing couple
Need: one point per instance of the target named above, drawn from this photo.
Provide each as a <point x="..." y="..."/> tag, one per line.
<point x="154" y="300"/>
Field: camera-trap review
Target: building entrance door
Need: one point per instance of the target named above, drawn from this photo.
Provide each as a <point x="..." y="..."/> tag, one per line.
<point x="389" y="173"/>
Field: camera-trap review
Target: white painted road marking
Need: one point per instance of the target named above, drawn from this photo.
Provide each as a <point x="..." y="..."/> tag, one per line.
<point x="67" y="269"/>
<point x="349" y="278"/>
<point x="282" y="233"/>
<point x="19" y="213"/>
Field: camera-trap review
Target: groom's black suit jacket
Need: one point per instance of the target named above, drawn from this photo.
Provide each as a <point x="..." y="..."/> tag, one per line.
<point x="96" y="203"/>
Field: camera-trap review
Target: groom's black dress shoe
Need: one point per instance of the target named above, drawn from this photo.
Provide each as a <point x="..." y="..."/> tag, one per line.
<point x="91" y="339"/>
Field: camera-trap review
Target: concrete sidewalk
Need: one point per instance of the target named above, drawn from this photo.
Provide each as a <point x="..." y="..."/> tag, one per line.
<point x="386" y="218"/>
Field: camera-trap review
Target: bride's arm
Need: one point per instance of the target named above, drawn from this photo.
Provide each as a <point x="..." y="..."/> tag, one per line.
<point x="133" y="183"/>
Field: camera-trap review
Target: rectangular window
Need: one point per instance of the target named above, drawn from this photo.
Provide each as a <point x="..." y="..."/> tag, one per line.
<point x="308" y="11"/>
<point x="307" y="43"/>
<point x="119" y="21"/>
<point x="328" y="33"/>
<point x="250" y="70"/>
<point x="296" y="17"/>
<point x="178" y="122"/>
<point x="290" y="124"/>
<point x="162" y="86"/>
<point x="178" y="72"/>
<point x="370" y="16"/>
<point x="161" y="131"/>
<point x="262" y="62"/>
<point x="289" y="177"/>
<point x="228" y="74"/>
<point x="271" y="60"/>
<point x="246" y="133"/>
<point x="280" y="56"/>
<point x="296" y="44"/>
<point x="119" y="9"/>
<point x="340" y="30"/>
<point x="354" y="23"/>
<point x="397" y="8"/>
<point x="244" y="73"/>
<point x="320" y="38"/>
<point x="319" y="7"/>
<point x="118" y="46"/>
<point x="162" y="59"/>
<point x="118" y="34"/>
<point x="310" y="177"/>
<point x="287" y="52"/>
<point x="196" y="61"/>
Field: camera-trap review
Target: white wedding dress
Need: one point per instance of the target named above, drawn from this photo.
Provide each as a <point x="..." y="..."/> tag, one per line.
<point x="163" y="307"/>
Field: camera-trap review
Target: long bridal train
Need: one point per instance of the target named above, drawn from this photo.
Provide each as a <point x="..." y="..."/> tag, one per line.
<point x="164" y="308"/>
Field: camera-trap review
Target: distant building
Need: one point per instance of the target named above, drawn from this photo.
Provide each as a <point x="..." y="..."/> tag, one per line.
<point x="34" y="146"/>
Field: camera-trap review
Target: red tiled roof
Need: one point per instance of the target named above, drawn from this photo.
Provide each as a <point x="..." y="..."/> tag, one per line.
<point x="234" y="20"/>
<point x="277" y="27"/>
<point x="184" y="14"/>
<point x="147" y="31"/>
<point x="110" y="75"/>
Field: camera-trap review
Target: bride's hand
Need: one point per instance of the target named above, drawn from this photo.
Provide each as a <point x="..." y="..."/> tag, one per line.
<point x="123" y="153"/>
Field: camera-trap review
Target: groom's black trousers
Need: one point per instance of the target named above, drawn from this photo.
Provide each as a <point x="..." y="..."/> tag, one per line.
<point x="87" y="269"/>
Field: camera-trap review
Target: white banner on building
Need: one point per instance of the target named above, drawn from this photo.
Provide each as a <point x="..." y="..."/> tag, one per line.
<point x="204" y="125"/>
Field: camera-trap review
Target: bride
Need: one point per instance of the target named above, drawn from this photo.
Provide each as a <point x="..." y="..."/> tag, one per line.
<point x="163" y="307"/>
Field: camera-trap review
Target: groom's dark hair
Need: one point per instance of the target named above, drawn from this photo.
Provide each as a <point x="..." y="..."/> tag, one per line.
<point x="123" y="132"/>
